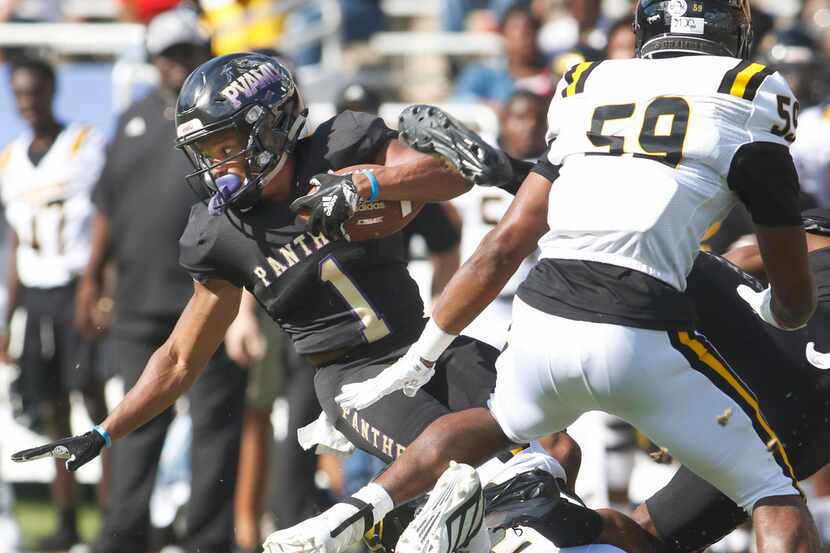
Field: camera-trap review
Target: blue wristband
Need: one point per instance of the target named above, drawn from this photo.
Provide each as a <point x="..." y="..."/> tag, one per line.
<point x="373" y="180"/>
<point x="104" y="434"/>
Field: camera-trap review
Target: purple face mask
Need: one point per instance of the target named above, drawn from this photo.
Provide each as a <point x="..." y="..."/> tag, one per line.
<point x="226" y="187"/>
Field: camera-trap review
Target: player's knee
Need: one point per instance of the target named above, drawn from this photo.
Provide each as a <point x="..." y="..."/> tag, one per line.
<point x="564" y="449"/>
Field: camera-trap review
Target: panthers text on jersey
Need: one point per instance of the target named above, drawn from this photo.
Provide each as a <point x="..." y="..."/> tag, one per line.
<point x="646" y="148"/>
<point x="49" y="205"/>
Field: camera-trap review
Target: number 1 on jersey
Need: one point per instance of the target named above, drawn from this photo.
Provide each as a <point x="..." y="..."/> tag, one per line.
<point x="374" y="328"/>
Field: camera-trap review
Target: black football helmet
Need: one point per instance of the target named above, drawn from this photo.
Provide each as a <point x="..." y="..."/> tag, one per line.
<point x="252" y="96"/>
<point x="666" y="28"/>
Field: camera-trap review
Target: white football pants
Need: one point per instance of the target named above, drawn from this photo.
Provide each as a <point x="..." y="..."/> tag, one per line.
<point x="554" y="369"/>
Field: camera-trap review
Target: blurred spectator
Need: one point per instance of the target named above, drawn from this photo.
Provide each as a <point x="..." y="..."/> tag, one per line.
<point x="297" y="496"/>
<point x="522" y="66"/>
<point x="46" y="179"/>
<point x="621" y="40"/>
<point x="523" y="125"/>
<point x="795" y="55"/>
<point x="142" y="209"/>
<point x="242" y="25"/>
<point x="246" y="346"/>
<point x="30" y="10"/>
<point x="475" y="15"/>
<point x="815" y="18"/>
<point x="584" y="27"/>
<point x="522" y="135"/>
<point x="142" y="11"/>
<point x="361" y="19"/>
<point x="357" y="97"/>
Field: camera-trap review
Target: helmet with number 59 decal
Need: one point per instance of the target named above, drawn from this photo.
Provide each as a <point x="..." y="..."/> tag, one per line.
<point x="667" y="28"/>
<point x="244" y="111"/>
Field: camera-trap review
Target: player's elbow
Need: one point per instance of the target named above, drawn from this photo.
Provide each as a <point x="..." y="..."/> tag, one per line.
<point x="179" y="372"/>
<point x="504" y="246"/>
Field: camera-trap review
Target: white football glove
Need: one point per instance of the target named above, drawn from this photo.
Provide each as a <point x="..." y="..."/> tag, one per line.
<point x="408" y="374"/>
<point x="761" y="303"/>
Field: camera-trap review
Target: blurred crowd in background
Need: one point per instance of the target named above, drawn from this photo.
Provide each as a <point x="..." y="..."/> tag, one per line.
<point x="91" y="259"/>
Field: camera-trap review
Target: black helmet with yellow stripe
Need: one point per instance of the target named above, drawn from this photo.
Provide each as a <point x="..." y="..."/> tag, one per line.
<point x="667" y="28"/>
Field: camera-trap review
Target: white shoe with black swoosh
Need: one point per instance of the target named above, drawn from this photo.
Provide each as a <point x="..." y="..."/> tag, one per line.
<point x="452" y="518"/>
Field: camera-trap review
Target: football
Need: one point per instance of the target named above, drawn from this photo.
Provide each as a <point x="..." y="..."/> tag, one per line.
<point x="380" y="219"/>
<point x="377" y="219"/>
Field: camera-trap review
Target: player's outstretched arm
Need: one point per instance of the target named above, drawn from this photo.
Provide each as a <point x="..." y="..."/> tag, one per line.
<point x="170" y="371"/>
<point x="483" y="276"/>
<point x="473" y="287"/>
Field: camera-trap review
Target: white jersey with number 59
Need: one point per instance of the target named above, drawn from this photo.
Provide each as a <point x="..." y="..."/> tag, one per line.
<point x="646" y="148"/>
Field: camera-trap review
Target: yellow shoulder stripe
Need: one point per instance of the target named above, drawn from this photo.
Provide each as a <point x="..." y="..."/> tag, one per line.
<point x="577" y="77"/>
<point x="744" y="80"/>
<point x="79" y="140"/>
<point x="5" y="156"/>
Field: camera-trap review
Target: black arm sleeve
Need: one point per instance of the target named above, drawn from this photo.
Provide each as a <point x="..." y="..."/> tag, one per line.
<point x="435" y="226"/>
<point x="763" y="175"/>
<point x="546" y="169"/>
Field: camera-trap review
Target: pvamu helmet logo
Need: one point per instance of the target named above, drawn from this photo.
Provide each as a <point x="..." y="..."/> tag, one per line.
<point x="250" y="82"/>
<point x="246" y="99"/>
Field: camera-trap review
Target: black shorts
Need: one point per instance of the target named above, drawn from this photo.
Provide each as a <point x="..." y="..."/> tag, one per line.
<point x="54" y="358"/>
<point x="465" y="376"/>
<point x="794" y="398"/>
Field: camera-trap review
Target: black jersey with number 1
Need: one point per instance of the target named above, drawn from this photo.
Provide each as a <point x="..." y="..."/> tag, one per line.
<point x="326" y="295"/>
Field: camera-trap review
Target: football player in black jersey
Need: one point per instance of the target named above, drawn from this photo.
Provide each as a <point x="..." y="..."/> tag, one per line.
<point x="350" y="308"/>
<point x="785" y="371"/>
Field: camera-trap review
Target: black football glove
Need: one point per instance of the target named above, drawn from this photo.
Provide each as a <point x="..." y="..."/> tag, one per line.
<point x="330" y="206"/>
<point x="77" y="450"/>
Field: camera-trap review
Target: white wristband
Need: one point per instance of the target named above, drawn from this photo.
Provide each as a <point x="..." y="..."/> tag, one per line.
<point x="768" y="316"/>
<point x="433" y="342"/>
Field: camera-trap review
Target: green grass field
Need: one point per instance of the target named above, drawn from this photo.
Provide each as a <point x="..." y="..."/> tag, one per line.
<point x="38" y="518"/>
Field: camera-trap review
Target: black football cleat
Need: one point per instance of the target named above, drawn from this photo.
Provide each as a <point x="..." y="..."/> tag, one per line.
<point x="431" y="130"/>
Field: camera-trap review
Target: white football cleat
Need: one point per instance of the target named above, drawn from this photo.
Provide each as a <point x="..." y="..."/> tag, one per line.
<point x="309" y="536"/>
<point x="314" y="535"/>
<point x="452" y="517"/>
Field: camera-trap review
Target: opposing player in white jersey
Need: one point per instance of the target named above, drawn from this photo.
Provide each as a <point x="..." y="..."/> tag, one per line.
<point x="522" y="136"/>
<point x="645" y="155"/>
<point x="46" y="177"/>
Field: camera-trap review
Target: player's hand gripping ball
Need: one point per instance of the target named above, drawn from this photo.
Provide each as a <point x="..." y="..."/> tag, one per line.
<point x="334" y="208"/>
